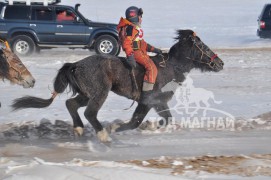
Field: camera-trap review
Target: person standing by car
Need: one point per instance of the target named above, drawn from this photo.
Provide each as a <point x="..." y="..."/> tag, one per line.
<point x="131" y="39"/>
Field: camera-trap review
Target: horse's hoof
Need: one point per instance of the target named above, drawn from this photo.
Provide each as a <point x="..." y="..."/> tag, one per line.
<point x="78" y="131"/>
<point x="149" y="125"/>
<point x="113" y="127"/>
<point x="103" y="136"/>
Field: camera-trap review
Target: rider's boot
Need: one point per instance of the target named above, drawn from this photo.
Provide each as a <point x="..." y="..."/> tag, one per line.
<point x="148" y="96"/>
<point x="147" y="92"/>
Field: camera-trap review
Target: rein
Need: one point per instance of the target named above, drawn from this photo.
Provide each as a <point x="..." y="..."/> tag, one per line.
<point x="134" y="86"/>
<point x="163" y="63"/>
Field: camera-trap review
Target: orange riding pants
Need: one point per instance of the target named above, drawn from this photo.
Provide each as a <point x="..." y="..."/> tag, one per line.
<point x="151" y="71"/>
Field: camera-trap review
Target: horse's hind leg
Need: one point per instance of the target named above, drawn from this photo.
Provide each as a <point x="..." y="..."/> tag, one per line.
<point x="73" y="105"/>
<point x="91" y="112"/>
<point x="138" y="116"/>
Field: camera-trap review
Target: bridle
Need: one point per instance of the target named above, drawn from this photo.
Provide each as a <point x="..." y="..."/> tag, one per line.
<point x="211" y="63"/>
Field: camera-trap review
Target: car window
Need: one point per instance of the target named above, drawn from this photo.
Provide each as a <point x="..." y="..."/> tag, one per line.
<point x="267" y="12"/>
<point x="1" y="7"/>
<point x="42" y="14"/>
<point x="2" y="10"/>
<point x="17" y="12"/>
<point x="65" y="15"/>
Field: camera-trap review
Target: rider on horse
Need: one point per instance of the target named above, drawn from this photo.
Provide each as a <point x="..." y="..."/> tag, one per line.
<point x="131" y="39"/>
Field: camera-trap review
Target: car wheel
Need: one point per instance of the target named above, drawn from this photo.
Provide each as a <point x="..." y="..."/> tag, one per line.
<point x="107" y="44"/>
<point x="23" y="45"/>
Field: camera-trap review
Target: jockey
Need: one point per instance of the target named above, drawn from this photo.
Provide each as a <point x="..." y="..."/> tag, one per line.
<point x="132" y="42"/>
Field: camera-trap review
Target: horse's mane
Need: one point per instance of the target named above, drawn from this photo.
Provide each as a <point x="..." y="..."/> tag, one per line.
<point x="182" y="35"/>
<point x="4" y="67"/>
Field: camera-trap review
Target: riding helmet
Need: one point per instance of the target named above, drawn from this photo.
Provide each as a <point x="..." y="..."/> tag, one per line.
<point x="132" y="13"/>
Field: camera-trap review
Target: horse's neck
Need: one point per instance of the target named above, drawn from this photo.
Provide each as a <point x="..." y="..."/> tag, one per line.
<point x="167" y="73"/>
<point x="178" y="59"/>
<point x="174" y="73"/>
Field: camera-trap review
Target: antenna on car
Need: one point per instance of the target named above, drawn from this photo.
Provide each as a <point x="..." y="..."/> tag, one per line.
<point x="77" y="6"/>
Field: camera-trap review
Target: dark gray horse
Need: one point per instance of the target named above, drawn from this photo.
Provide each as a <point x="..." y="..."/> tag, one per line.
<point x="93" y="77"/>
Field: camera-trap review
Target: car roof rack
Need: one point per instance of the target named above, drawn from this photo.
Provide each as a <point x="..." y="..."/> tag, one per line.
<point x="30" y="2"/>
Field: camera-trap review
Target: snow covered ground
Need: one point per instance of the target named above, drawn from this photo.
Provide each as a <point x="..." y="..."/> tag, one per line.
<point x="39" y="143"/>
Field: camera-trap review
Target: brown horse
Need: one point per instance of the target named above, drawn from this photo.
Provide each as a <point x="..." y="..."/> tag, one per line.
<point x="93" y="77"/>
<point x="12" y="69"/>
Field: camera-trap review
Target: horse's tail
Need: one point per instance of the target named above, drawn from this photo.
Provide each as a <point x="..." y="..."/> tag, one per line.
<point x="64" y="78"/>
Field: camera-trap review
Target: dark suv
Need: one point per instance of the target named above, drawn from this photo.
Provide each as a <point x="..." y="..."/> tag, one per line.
<point x="30" y="28"/>
<point x="264" y="22"/>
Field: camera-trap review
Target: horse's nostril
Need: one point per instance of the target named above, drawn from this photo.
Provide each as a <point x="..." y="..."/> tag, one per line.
<point x="33" y="81"/>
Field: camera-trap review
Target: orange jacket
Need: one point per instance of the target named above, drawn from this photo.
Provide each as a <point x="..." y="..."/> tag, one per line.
<point x="131" y="37"/>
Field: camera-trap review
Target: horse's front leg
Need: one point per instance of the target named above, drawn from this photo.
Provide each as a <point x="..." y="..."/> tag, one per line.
<point x="138" y="116"/>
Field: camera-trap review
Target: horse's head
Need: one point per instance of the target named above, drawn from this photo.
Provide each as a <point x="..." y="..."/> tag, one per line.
<point x="14" y="70"/>
<point x="196" y="52"/>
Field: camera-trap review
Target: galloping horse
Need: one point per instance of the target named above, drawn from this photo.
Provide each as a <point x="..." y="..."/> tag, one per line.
<point x="12" y="69"/>
<point x="93" y="77"/>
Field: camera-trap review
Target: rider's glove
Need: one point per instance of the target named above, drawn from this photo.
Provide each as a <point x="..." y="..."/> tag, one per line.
<point x="131" y="61"/>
